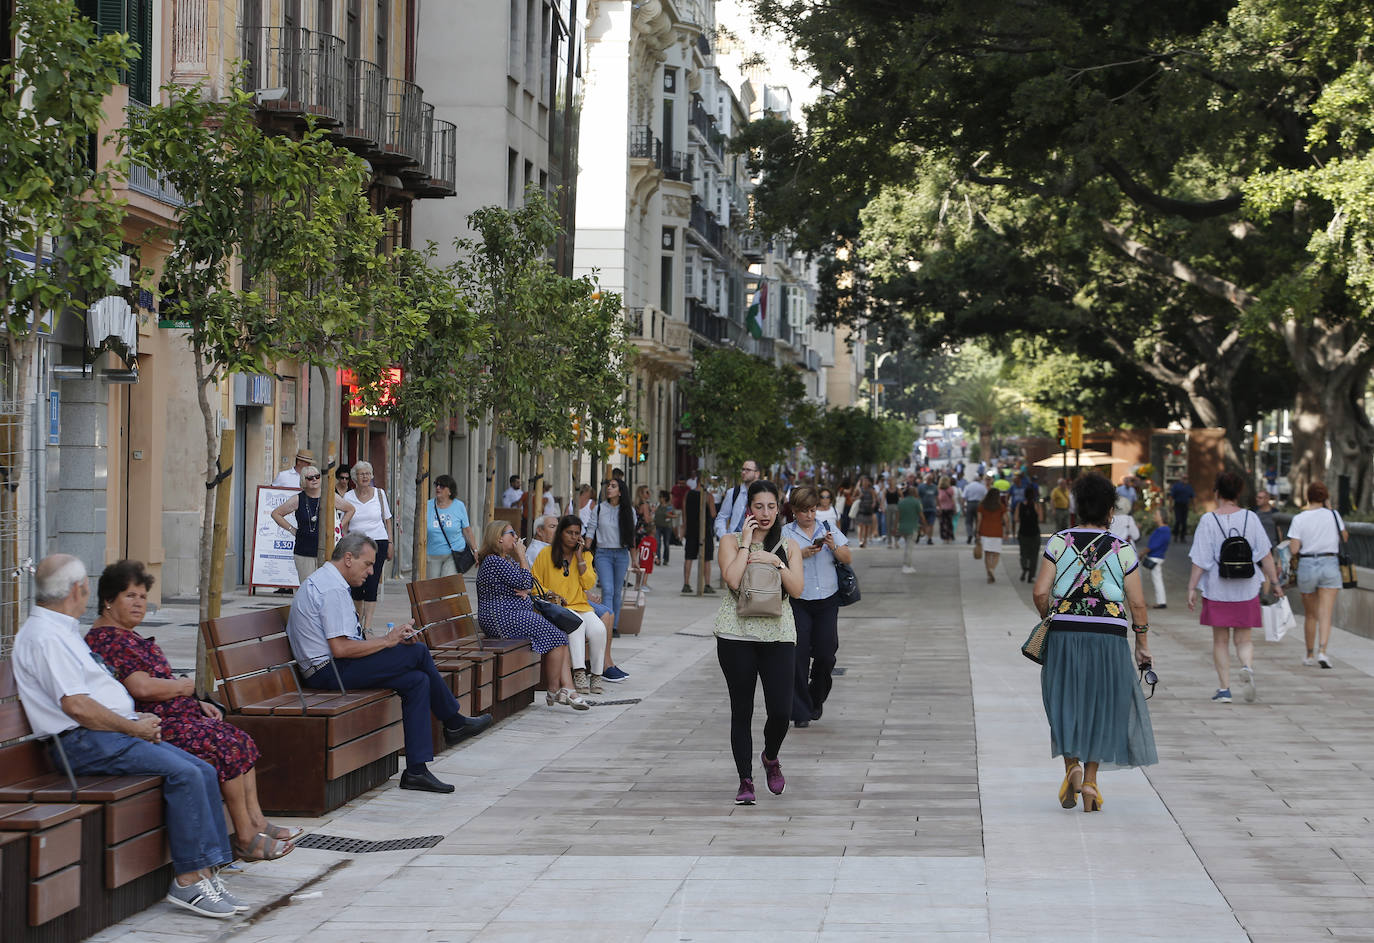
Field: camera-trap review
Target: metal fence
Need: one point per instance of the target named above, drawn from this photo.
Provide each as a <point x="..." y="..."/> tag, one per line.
<point x="1361" y="544"/>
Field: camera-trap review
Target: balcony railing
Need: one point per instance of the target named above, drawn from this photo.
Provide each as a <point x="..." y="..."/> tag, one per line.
<point x="406" y="132"/>
<point x="443" y="157"/>
<point x="677" y="165"/>
<point x="644" y="146"/>
<point x="143" y="180"/>
<point x="307" y="64"/>
<point x="813" y="360"/>
<point x="705" y="323"/>
<point x="752" y="244"/>
<point x="364" y="102"/>
<point x="706" y="226"/>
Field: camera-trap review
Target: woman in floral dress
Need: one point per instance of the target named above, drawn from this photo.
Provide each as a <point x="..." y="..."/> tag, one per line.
<point x="1090" y="581"/>
<point x="195" y="726"/>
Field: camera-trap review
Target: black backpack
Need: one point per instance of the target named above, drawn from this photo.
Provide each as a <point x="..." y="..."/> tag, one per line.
<point x="1236" y="561"/>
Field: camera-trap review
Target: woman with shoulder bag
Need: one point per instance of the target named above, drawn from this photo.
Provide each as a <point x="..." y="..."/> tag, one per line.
<point x="371" y="518"/>
<point x="1231" y="582"/>
<point x="758" y="647"/>
<point x="1089" y="585"/>
<point x="816" y="611"/>
<point x="565" y="569"/>
<point x="505" y="610"/>
<point x="1314" y="539"/>
<point x="448" y="531"/>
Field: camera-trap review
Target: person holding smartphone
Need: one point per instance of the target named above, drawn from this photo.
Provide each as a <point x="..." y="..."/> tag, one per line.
<point x="817" y="610"/>
<point x="758" y="648"/>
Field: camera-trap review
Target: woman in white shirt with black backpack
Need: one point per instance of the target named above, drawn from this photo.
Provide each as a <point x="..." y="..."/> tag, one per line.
<point x="1314" y="538"/>
<point x="1231" y="577"/>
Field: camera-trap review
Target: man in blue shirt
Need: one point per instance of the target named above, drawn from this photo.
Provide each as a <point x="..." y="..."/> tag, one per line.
<point x="1182" y="494"/>
<point x="332" y="653"/>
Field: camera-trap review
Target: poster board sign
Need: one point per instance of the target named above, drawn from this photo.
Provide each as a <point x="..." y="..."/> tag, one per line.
<point x="272" y="557"/>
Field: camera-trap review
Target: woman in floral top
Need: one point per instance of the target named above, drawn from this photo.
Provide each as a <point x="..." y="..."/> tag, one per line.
<point x="195" y="726"/>
<point x="1090" y="582"/>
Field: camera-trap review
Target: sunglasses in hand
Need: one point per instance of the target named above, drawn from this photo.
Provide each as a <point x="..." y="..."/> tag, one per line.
<point x="1148" y="676"/>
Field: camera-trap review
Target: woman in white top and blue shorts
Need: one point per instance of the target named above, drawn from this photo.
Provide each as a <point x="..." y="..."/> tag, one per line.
<point x="1314" y="539"/>
<point x="1230" y="605"/>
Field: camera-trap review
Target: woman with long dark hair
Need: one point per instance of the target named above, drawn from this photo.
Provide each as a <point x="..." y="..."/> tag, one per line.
<point x="565" y="568"/>
<point x="758" y="648"/>
<point x="613" y="528"/>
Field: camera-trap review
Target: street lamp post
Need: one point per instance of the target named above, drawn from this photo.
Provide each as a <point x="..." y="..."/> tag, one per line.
<point x="877" y="365"/>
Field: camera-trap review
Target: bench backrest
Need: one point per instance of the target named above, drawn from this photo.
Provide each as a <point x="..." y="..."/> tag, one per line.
<point x="14" y="725"/>
<point x="251" y="655"/>
<point x="441" y="608"/>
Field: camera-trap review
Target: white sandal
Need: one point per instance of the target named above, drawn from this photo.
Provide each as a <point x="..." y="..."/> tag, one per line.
<point x="572" y="699"/>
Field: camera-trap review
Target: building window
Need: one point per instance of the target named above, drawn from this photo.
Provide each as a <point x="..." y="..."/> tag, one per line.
<point x="134" y="17"/>
<point x="512" y="181"/>
<point x="665" y="285"/>
<point x="516" y="46"/>
<point x="383" y="34"/>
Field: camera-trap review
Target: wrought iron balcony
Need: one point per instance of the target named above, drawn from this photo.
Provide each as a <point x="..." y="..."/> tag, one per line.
<point x="704" y="322"/>
<point x="141" y="179"/>
<point x="406" y="131"/>
<point x="677" y="166"/>
<point x="644" y="146"/>
<point x="307" y="64"/>
<point x="364" y="118"/>
<point x="443" y="159"/>
<point x="706" y="226"/>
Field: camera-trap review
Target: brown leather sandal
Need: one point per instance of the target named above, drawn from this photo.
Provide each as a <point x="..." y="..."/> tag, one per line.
<point x="263" y="847"/>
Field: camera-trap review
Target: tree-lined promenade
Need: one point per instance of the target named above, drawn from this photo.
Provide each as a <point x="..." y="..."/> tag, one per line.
<point x="1171" y="202"/>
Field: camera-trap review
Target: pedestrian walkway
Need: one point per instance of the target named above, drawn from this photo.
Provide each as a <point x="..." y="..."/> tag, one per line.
<point x="921" y="807"/>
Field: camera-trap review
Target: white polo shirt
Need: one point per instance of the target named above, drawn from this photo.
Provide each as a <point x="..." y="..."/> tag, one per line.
<point x="53" y="661"/>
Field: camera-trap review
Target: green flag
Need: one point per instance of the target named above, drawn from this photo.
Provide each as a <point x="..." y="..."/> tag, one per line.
<point x="753" y="320"/>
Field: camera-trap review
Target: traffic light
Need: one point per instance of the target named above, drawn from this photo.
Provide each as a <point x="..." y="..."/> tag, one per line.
<point x="624" y="441"/>
<point x="1075" y="432"/>
<point x="1062" y="434"/>
<point x="642" y="447"/>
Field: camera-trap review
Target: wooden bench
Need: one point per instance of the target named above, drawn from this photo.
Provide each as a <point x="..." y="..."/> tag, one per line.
<point x="319" y="749"/>
<point x="509" y="667"/>
<point x="80" y="852"/>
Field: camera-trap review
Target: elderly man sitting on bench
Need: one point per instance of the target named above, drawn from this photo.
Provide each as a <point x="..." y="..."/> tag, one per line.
<point x="333" y="654"/>
<point x="69" y="695"/>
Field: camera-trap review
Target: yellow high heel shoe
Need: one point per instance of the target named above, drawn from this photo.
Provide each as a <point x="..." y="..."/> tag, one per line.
<point x="1093" y="802"/>
<point x="1069" y="789"/>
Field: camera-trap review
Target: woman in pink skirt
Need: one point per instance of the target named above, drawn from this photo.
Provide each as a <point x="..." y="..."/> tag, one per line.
<point x="1230" y="594"/>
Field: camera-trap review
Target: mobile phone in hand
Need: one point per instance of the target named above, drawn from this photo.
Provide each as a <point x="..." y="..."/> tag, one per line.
<point x="819" y="541"/>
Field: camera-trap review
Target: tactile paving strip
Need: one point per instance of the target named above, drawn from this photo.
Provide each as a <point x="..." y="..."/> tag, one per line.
<point x="358" y="846"/>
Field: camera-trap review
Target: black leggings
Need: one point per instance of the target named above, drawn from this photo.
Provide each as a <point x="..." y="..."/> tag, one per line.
<point x="743" y="664"/>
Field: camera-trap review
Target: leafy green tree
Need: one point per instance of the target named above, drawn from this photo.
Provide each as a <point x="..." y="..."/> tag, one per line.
<point x="55" y="202"/>
<point x="1136" y="130"/>
<point x="556" y="349"/>
<point x="742" y="407"/>
<point x="273" y="253"/>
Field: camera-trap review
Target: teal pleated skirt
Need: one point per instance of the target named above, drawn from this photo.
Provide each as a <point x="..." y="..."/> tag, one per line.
<point x="1094" y="701"/>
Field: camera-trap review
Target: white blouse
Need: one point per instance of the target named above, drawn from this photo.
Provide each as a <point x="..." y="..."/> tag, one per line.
<point x="1210" y="531"/>
<point x="1318" y="529"/>
<point x="370" y="516"/>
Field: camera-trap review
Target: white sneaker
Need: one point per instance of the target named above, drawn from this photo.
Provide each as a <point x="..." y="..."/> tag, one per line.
<point x="201" y="898"/>
<point x="1247" y="684"/>
<point x="908" y="569"/>
<point x="1309" y="662"/>
<point x="1323" y="660"/>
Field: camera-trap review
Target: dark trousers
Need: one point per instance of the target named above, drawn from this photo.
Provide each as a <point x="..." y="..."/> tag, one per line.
<point x="665" y="538"/>
<point x="818" y="639"/>
<point x="1180" y="522"/>
<point x="408" y="670"/>
<point x="744" y="664"/>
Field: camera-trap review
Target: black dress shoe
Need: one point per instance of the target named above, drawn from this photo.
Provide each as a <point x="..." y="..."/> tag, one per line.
<point x="802" y="723"/>
<point x="816" y="714"/>
<point x="424" y="781"/>
<point x="1162" y="606"/>
<point x="470" y="728"/>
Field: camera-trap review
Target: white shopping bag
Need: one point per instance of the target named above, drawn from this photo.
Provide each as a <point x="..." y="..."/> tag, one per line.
<point x="1278" y="619"/>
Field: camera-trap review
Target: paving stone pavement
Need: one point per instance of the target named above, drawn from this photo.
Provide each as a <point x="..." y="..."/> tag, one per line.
<point x="921" y="807"/>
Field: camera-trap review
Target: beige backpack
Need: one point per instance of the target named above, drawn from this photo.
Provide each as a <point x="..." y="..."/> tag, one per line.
<point x="760" y="590"/>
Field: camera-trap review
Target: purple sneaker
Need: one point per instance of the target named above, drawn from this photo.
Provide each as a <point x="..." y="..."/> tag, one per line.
<point x="773" y="769"/>
<point x="745" y="796"/>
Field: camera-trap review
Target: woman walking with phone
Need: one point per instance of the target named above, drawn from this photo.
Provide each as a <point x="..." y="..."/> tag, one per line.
<point x="758" y="648"/>
<point x="816" y="611"/>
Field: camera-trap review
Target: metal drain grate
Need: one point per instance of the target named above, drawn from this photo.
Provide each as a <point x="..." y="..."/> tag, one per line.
<point x="628" y="700"/>
<point x="358" y="846"/>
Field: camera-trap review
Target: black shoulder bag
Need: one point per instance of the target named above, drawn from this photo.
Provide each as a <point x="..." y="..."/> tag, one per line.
<point x="1348" y="578"/>
<point x="547" y="605"/>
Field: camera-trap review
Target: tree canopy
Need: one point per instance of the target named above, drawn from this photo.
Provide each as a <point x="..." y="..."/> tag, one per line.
<point x="1169" y="186"/>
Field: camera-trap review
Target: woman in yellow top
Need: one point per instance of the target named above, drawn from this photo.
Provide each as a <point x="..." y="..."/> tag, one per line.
<point x="565" y="567"/>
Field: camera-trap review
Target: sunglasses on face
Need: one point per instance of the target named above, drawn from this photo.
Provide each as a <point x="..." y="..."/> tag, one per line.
<point x="312" y="477"/>
<point x="509" y="533"/>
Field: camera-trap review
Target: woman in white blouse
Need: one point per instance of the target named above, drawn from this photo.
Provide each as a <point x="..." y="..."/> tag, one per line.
<point x="1314" y="539"/>
<point x="371" y="517"/>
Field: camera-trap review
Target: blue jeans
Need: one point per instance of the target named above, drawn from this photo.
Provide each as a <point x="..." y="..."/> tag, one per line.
<point x="611" y="567"/>
<point x="196" y="831"/>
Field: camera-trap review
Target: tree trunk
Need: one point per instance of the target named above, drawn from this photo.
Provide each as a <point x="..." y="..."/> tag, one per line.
<point x="1309" y="442"/>
<point x="419" y="545"/>
<point x="329" y="455"/>
<point x="1352" y="436"/>
<point x="985" y="442"/>
<point x="207" y="521"/>
<point x="1213" y="408"/>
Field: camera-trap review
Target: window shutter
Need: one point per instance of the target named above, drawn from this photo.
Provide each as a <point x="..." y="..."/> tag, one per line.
<point x="140" y="26"/>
